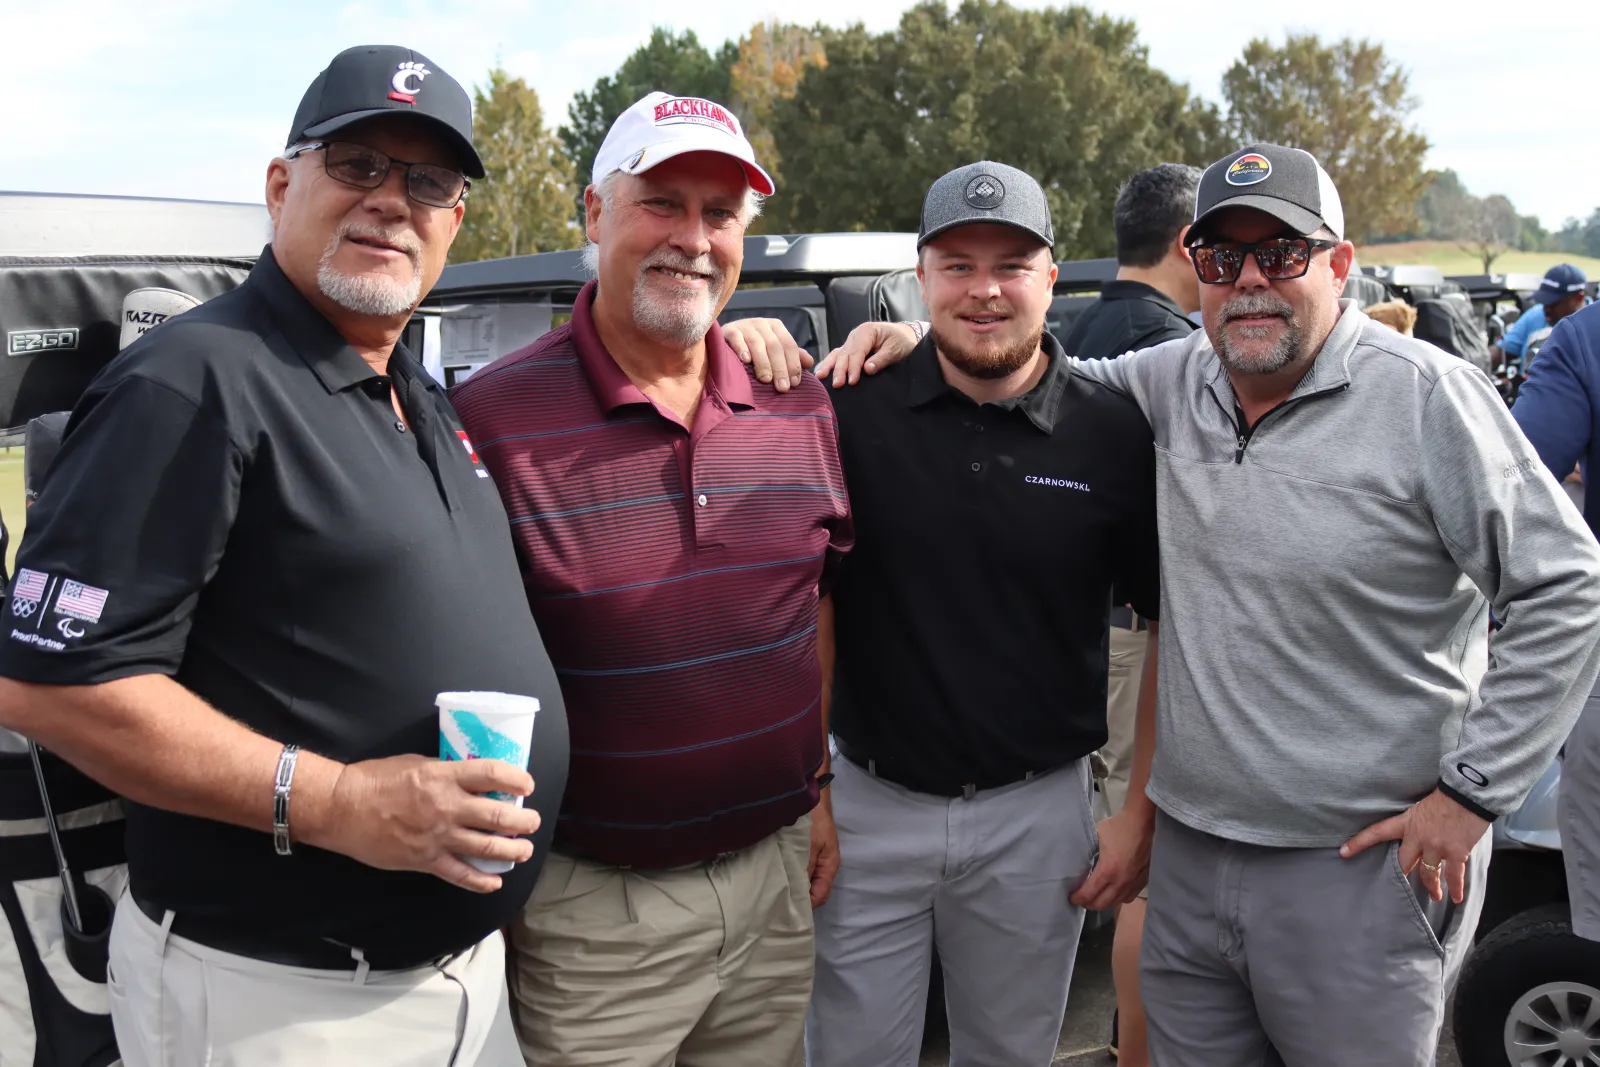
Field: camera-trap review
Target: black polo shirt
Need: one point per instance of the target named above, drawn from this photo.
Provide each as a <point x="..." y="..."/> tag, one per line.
<point x="1127" y="317"/>
<point x="236" y="506"/>
<point x="972" y="614"/>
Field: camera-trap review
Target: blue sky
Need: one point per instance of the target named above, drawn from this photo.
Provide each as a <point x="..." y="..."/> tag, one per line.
<point x="188" y="98"/>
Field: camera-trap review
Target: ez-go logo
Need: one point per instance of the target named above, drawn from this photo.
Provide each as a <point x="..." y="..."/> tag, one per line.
<point x="27" y="342"/>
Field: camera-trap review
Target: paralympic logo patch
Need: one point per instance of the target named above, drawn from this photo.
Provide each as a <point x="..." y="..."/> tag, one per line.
<point x="1249" y="169"/>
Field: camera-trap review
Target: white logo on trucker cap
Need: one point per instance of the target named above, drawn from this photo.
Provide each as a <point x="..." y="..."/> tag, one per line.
<point x="404" y="91"/>
<point x="661" y="126"/>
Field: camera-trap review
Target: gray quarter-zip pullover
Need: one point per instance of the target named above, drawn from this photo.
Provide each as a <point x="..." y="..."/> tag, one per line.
<point x="1326" y="585"/>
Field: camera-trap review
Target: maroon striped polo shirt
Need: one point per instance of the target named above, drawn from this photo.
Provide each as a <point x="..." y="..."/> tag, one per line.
<point x="674" y="577"/>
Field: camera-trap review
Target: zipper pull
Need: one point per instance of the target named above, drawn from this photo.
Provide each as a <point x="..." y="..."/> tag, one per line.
<point x="1238" y="455"/>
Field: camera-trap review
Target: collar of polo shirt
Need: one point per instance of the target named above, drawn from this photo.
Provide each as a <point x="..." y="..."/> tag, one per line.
<point x="336" y="364"/>
<point x="1042" y="404"/>
<point x="726" y="376"/>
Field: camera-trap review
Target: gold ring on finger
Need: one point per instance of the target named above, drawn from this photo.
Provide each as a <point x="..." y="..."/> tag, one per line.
<point x="1433" y="868"/>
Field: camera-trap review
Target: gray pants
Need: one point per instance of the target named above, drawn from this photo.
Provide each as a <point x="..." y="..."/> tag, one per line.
<point x="985" y="879"/>
<point x="1580" y="819"/>
<point x="1262" y="957"/>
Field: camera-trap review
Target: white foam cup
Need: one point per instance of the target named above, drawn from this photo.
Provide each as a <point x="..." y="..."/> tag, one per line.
<point x="487" y="726"/>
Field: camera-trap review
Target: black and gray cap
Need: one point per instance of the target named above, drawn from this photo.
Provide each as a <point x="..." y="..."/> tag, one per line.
<point x="1286" y="183"/>
<point x="380" y="79"/>
<point x="985" y="192"/>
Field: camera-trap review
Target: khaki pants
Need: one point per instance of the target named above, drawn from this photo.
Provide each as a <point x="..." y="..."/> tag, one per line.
<point x="176" y="1003"/>
<point x="1122" y="702"/>
<point x="701" y="966"/>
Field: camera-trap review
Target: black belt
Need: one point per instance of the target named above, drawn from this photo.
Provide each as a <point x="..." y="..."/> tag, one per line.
<point x="899" y="774"/>
<point x="1123" y="618"/>
<point x="311" y="952"/>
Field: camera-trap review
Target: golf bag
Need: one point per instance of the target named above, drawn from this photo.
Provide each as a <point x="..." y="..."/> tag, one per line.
<point x="62" y="863"/>
<point x="1451" y="324"/>
<point x="53" y="1004"/>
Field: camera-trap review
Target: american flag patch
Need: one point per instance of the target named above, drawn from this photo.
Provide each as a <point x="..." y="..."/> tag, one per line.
<point x="29" y="584"/>
<point x="81" y="601"/>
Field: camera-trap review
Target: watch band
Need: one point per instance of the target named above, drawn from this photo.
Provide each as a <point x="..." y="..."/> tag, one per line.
<point x="280" y="799"/>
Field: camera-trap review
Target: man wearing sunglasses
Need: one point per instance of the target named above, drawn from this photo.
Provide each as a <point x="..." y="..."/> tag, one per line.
<point x="262" y="551"/>
<point x="1340" y="507"/>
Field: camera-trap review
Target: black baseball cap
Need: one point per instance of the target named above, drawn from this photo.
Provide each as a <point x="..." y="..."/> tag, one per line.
<point x="985" y="192"/>
<point x="380" y="79"/>
<point x="1286" y="183"/>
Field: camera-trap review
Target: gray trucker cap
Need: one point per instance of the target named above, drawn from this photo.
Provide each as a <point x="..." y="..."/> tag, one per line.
<point x="985" y="192"/>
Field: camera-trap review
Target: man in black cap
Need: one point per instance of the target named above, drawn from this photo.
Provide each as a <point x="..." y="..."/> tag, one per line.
<point x="265" y="547"/>
<point x="1562" y="291"/>
<point x="998" y="498"/>
<point x="1341" y="506"/>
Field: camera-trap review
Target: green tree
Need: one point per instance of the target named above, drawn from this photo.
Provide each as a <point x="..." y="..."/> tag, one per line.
<point x="1579" y="236"/>
<point x="771" y="59"/>
<point x="1443" y="207"/>
<point x="674" y="63"/>
<point x="1065" y="94"/>
<point x="525" y="203"/>
<point x="1347" y="105"/>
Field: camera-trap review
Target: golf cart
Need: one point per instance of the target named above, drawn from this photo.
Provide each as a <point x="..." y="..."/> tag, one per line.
<point x="78" y="275"/>
<point x="820" y="285"/>
<point x="1529" y="995"/>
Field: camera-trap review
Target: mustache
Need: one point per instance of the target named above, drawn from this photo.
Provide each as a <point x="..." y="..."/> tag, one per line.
<point x="992" y="307"/>
<point x="672" y="260"/>
<point x="1254" y="305"/>
<point x="404" y="240"/>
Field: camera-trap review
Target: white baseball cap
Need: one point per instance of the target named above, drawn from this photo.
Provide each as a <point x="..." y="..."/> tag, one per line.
<point x="661" y="126"/>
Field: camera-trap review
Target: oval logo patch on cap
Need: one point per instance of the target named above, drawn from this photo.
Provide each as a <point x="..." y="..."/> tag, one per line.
<point x="985" y="191"/>
<point x="1249" y="169"/>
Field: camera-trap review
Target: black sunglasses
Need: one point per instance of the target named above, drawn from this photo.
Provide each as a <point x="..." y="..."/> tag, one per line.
<point x="368" y="168"/>
<point x="1281" y="259"/>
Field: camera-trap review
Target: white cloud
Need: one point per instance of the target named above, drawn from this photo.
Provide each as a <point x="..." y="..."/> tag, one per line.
<point x="190" y="98"/>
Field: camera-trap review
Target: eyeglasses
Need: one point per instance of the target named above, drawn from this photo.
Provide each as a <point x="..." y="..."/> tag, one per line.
<point x="1281" y="259"/>
<point x="368" y="168"/>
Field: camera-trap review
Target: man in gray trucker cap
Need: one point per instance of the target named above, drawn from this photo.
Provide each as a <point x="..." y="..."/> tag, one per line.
<point x="1001" y="500"/>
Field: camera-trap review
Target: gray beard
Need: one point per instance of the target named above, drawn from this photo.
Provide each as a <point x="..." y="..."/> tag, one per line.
<point x="1287" y="349"/>
<point x="367" y="294"/>
<point x="988" y="361"/>
<point x="678" y="323"/>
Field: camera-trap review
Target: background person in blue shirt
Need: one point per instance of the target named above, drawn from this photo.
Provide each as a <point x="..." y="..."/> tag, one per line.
<point x="1559" y="409"/>
<point x="1559" y="295"/>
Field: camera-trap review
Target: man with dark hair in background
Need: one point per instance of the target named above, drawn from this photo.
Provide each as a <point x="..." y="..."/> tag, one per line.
<point x="1150" y="302"/>
<point x="1155" y="291"/>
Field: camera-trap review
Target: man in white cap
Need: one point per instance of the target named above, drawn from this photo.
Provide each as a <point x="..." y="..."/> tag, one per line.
<point x="682" y="579"/>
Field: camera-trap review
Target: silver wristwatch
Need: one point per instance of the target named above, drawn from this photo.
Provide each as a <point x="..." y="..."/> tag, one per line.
<point x="280" y="799"/>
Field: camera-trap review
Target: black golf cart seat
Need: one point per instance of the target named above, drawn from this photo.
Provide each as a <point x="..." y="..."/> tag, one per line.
<point x="61" y="320"/>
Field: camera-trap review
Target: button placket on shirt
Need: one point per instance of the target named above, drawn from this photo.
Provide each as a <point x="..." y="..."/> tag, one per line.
<point x="978" y="452"/>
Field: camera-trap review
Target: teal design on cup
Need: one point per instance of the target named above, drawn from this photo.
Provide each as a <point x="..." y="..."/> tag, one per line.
<point x="482" y="725"/>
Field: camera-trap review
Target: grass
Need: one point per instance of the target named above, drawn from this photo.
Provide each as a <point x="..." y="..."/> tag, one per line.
<point x="1450" y="259"/>
<point x="11" y="501"/>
